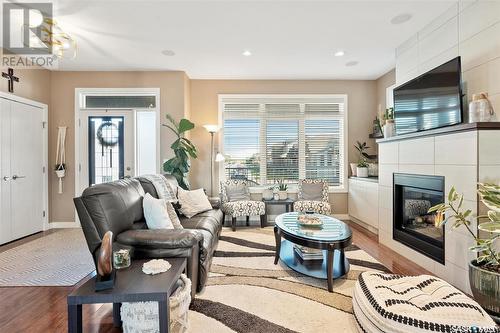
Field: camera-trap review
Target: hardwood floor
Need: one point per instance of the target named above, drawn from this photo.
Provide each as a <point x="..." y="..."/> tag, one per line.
<point x="43" y="309"/>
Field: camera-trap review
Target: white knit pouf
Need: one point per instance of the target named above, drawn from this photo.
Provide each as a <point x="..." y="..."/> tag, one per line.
<point x="396" y="303"/>
<point x="142" y="317"/>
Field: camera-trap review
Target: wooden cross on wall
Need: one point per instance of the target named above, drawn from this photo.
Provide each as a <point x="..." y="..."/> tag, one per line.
<point x="10" y="76"/>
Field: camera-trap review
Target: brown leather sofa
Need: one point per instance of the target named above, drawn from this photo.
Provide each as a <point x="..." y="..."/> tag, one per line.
<point x="117" y="206"/>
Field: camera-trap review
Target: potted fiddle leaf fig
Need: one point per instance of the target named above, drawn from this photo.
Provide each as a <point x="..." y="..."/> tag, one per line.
<point x="484" y="271"/>
<point x="362" y="166"/>
<point x="178" y="166"/>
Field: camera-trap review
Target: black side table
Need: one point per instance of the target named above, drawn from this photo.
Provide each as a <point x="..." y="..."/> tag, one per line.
<point x="288" y="203"/>
<point x="131" y="285"/>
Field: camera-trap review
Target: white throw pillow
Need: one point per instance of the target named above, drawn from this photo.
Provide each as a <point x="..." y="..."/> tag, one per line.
<point x="155" y="213"/>
<point x="193" y="202"/>
<point x="173" y="216"/>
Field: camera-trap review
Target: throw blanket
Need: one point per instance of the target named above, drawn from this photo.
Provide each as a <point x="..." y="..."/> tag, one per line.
<point x="162" y="187"/>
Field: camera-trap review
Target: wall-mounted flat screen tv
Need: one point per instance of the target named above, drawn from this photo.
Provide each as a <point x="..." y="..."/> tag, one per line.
<point x="432" y="100"/>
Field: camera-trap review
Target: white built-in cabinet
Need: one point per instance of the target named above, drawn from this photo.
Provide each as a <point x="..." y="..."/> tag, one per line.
<point x="23" y="169"/>
<point x="363" y="203"/>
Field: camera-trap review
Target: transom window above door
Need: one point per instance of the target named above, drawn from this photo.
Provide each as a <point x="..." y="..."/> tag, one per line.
<point x="289" y="137"/>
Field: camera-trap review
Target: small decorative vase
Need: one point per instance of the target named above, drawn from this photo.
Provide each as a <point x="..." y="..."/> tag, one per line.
<point x="480" y="109"/>
<point x="282" y="195"/>
<point x="267" y="194"/>
<point x="389" y="128"/>
<point x="372" y="169"/>
<point x="276" y="196"/>
<point x="362" y="172"/>
<point x="121" y="258"/>
<point x="354" y="166"/>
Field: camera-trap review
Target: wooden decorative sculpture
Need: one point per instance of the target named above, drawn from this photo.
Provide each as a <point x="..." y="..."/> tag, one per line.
<point x="104" y="262"/>
<point x="105" y="274"/>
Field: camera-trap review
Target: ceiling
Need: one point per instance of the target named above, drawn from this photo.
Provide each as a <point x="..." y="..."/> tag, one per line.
<point x="287" y="39"/>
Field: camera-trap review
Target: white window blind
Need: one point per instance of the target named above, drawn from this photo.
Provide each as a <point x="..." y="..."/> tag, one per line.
<point x="290" y="138"/>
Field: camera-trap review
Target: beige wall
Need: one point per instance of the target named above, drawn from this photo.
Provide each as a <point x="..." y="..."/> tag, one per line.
<point x="204" y="110"/>
<point x="181" y="97"/>
<point x="61" y="113"/>
<point x="383" y="82"/>
<point x="33" y="84"/>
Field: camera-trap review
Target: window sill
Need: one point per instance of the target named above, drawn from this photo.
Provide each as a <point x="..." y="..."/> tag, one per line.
<point x="295" y="190"/>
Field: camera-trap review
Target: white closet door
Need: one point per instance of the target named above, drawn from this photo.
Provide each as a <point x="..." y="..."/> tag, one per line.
<point x="26" y="169"/>
<point x="5" y="211"/>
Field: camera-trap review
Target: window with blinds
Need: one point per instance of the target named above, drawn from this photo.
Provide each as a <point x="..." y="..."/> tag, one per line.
<point x="292" y="137"/>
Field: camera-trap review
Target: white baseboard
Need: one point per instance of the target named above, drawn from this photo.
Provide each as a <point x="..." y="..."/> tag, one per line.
<point x="60" y="225"/>
<point x="364" y="225"/>
<point x="342" y="216"/>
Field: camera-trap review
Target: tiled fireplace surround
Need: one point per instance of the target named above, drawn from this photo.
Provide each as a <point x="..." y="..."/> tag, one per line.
<point x="463" y="158"/>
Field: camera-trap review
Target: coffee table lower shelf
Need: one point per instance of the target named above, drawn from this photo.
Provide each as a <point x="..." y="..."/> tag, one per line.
<point x="316" y="269"/>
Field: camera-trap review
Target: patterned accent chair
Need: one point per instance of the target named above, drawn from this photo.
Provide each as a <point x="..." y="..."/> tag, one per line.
<point x="313" y="196"/>
<point x="235" y="207"/>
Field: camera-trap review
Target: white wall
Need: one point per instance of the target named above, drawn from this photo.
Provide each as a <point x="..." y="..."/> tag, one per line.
<point x="470" y="29"/>
<point x="432" y="156"/>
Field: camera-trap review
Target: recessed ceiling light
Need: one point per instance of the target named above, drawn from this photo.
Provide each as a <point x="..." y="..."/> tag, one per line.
<point x="401" y="18"/>
<point x="168" y="53"/>
<point x="247" y="53"/>
<point x="351" y="63"/>
<point x="339" y="53"/>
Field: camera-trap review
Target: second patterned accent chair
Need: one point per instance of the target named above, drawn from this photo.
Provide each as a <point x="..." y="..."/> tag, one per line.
<point x="236" y="202"/>
<point x="313" y="196"/>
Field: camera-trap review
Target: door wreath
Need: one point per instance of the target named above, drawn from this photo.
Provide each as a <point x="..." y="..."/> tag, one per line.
<point x="108" y="141"/>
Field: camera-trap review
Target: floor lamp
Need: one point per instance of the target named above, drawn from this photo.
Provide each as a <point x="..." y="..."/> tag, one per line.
<point x="212" y="129"/>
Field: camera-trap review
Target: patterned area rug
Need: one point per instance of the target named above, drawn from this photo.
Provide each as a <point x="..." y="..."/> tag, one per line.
<point x="247" y="293"/>
<point x="58" y="259"/>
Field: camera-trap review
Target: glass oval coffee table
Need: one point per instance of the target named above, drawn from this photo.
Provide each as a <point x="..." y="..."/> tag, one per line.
<point x="332" y="238"/>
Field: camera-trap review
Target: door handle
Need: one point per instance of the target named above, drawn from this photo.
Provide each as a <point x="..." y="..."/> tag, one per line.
<point x="6" y="178"/>
<point x="16" y="177"/>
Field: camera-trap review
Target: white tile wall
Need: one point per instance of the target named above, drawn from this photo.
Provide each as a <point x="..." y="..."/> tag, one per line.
<point x="478" y="17"/>
<point x="441" y="58"/>
<point x="385" y="197"/>
<point x="462" y="177"/>
<point x="384" y="220"/>
<point x="481" y="48"/>
<point x="493" y="77"/>
<point x="417" y="169"/>
<point x="489" y="147"/>
<point x="456" y="157"/>
<point x="388" y="153"/>
<point x="457" y="248"/>
<point x="458" y="149"/>
<point x="489" y="174"/>
<point x="440" y="40"/>
<point x="469" y="29"/>
<point x="385" y="174"/>
<point x="417" y="151"/>
<point x="431" y="28"/>
<point x="476" y="79"/>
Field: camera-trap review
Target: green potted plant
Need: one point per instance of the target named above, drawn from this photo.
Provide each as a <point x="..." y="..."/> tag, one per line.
<point x="389" y="126"/>
<point x="362" y="165"/>
<point x="484" y="271"/>
<point x="282" y="188"/>
<point x="179" y="165"/>
<point x="268" y="192"/>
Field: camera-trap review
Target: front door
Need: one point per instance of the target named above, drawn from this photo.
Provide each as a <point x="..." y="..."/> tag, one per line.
<point x="107" y="149"/>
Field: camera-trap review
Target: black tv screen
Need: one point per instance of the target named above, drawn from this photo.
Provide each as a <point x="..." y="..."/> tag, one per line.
<point x="432" y="100"/>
